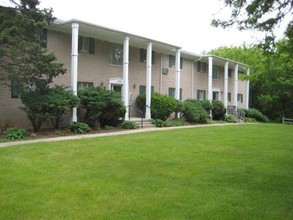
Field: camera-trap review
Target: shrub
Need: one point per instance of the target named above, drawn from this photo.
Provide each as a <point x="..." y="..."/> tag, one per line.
<point x="174" y="122"/>
<point x="102" y="106"/>
<point x="15" y="133"/>
<point x="162" y="105"/>
<point x="250" y="120"/>
<point x="257" y="115"/>
<point x="60" y="101"/>
<point x="79" y="127"/>
<point x="158" y="123"/>
<point x="218" y="110"/>
<point x="129" y="125"/>
<point x="206" y="104"/>
<point x="230" y="119"/>
<point x="194" y="112"/>
<point x="35" y="106"/>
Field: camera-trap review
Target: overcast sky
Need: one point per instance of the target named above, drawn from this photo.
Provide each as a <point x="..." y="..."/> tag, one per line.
<point x="185" y="23"/>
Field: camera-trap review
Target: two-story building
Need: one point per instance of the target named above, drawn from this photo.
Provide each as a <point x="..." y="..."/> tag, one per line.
<point x="132" y="65"/>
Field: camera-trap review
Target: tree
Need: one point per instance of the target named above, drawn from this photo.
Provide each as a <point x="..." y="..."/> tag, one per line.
<point x="23" y="56"/>
<point x="271" y="87"/>
<point x="260" y="15"/>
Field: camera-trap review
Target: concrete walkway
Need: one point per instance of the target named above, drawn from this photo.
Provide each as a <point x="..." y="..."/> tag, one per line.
<point x="124" y="132"/>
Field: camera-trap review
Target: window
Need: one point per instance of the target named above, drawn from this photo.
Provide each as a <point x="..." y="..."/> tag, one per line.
<point x="83" y="85"/>
<point x="201" y="94"/>
<point x="142" y="90"/>
<point x="143" y="56"/>
<point x="215" y="95"/>
<point x="240" y="98"/>
<point x="14" y="89"/>
<point x="230" y="73"/>
<point x="116" y="54"/>
<point x="216" y="72"/>
<point x="229" y="97"/>
<point x="172" y="60"/>
<point x="86" y="44"/>
<point x="171" y="93"/>
<point x="201" y="67"/>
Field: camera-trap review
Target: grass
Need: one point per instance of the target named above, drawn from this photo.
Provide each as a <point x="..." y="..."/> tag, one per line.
<point x="229" y="172"/>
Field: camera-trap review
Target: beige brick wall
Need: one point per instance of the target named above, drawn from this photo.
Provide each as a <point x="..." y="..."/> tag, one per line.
<point x="96" y="68"/>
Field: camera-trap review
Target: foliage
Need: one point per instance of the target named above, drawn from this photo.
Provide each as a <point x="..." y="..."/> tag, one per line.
<point x="206" y="104"/>
<point x="250" y="120"/>
<point x="230" y="119"/>
<point x="48" y="104"/>
<point x="271" y="78"/>
<point x="158" y="123"/>
<point x="15" y="133"/>
<point x="35" y="106"/>
<point x="194" y="112"/>
<point x="218" y="110"/>
<point x="129" y="125"/>
<point x="257" y="115"/>
<point x="102" y="106"/>
<point x="79" y="127"/>
<point x="23" y="56"/>
<point x="174" y="122"/>
<point x="262" y="15"/>
<point x="162" y="105"/>
<point x="60" y="101"/>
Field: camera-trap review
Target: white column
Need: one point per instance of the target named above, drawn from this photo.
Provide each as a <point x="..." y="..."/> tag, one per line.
<point x="236" y="86"/>
<point x="247" y="89"/>
<point x="74" y="62"/>
<point x="148" y="81"/>
<point x="226" y="84"/>
<point x="177" y="82"/>
<point x="125" y="95"/>
<point x="210" y="80"/>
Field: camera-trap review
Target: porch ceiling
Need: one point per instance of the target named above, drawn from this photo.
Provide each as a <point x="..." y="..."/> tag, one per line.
<point x="111" y="35"/>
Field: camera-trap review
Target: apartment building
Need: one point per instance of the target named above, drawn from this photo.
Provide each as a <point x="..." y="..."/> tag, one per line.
<point x="131" y="64"/>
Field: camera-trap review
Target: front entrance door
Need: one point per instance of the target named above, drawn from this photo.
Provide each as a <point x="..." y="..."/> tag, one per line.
<point x="116" y="88"/>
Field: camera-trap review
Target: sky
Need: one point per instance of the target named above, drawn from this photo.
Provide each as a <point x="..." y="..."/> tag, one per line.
<point x="184" y="23"/>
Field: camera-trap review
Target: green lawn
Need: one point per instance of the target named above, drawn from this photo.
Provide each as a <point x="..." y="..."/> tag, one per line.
<point x="229" y="172"/>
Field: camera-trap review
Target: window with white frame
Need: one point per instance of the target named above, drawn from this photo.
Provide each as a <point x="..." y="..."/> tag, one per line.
<point x="240" y="98"/>
<point x="201" y="94"/>
<point x="216" y="95"/>
<point x="171" y="93"/>
<point x="201" y="67"/>
<point x="116" y="54"/>
<point x="86" y="44"/>
<point x="142" y="89"/>
<point x="216" y="72"/>
<point x="83" y="85"/>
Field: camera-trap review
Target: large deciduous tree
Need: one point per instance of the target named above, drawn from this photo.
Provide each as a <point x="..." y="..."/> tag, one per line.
<point x="23" y="53"/>
<point x="260" y="15"/>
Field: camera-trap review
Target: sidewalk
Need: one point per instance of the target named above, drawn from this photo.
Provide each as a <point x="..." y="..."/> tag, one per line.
<point x="124" y="132"/>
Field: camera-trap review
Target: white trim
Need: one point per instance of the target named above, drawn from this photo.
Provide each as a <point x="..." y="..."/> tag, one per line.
<point x="226" y="78"/>
<point x="247" y="89"/>
<point x="148" y="81"/>
<point x="210" y="79"/>
<point x="178" y="72"/>
<point x="125" y="89"/>
<point x="236" y="86"/>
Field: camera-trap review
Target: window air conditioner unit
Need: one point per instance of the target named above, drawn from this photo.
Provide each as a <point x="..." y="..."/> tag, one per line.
<point x="165" y="70"/>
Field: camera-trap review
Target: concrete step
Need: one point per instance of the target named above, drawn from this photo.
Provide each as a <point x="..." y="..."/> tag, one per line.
<point x="146" y="123"/>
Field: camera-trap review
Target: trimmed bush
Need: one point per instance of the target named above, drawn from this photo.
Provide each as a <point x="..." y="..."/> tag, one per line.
<point x="79" y="127"/>
<point x="206" y="104"/>
<point x="103" y="107"/>
<point x="257" y="115"/>
<point x="230" y="119"/>
<point x="218" y="110"/>
<point x="15" y="133"/>
<point x="162" y="105"/>
<point x="194" y="112"/>
<point x="250" y="120"/>
<point x="158" y="123"/>
<point x="129" y="125"/>
<point x="174" y="122"/>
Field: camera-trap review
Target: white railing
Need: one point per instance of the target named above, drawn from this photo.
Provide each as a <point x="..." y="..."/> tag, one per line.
<point x="287" y="120"/>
